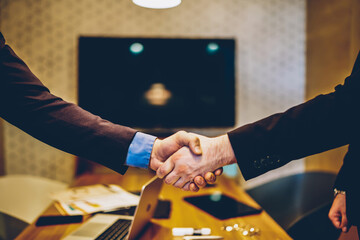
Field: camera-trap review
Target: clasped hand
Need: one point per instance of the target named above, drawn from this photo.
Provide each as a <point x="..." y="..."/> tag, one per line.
<point x="190" y="161"/>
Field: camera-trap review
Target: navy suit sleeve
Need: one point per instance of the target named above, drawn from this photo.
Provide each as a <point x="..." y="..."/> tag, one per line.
<point x="346" y="177"/>
<point x="26" y="103"/>
<point x="325" y="122"/>
<point x="348" y="180"/>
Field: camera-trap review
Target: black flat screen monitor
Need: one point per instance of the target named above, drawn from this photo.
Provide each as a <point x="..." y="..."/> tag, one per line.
<point x="158" y="83"/>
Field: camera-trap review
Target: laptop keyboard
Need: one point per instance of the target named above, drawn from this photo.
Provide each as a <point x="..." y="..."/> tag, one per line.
<point x="116" y="231"/>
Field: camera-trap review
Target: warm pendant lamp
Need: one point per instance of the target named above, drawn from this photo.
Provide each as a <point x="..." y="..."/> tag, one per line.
<point x="157" y="4"/>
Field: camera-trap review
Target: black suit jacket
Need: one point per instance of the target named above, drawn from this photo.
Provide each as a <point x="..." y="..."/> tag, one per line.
<point x="325" y="122"/>
<point x="26" y="103"/>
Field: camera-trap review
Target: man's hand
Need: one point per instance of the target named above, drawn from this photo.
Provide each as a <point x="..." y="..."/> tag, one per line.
<point x="201" y="182"/>
<point x="182" y="167"/>
<point x="337" y="213"/>
<point x="163" y="149"/>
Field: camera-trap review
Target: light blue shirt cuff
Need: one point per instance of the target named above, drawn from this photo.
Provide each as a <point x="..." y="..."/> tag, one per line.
<point x="140" y="150"/>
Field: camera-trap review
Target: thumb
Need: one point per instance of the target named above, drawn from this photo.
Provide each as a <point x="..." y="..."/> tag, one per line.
<point x="344" y="222"/>
<point x="191" y="140"/>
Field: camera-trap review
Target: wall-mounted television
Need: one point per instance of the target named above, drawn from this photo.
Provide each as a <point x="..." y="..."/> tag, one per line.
<point x="158" y="84"/>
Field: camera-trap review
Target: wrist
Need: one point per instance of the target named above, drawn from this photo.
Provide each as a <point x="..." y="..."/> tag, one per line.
<point x="339" y="192"/>
<point x="225" y="150"/>
<point x="153" y="161"/>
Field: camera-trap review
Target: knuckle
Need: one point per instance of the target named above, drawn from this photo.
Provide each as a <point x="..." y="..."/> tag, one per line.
<point x="161" y="171"/>
<point x="181" y="133"/>
<point x="181" y="183"/>
<point x="182" y="169"/>
<point x="176" y="172"/>
<point x="167" y="180"/>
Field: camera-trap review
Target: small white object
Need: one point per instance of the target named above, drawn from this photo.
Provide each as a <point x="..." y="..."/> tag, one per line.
<point x="229" y="228"/>
<point x="190" y="231"/>
<point x="157" y="4"/>
<point x="203" y="237"/>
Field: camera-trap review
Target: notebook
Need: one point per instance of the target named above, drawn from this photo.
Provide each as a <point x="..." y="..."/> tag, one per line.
<point x="109" y="226"/>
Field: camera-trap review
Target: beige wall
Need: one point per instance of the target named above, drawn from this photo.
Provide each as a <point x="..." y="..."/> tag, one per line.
<point x="270" y="36"/>
<point x="333" y="30"/>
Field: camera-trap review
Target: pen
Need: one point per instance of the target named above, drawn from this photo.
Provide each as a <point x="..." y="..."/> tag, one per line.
<point x="190" y="231"/>
<point x="208" y="237"/>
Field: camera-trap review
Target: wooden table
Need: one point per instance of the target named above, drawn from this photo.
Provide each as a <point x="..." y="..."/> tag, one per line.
<point x="182" y="213"/>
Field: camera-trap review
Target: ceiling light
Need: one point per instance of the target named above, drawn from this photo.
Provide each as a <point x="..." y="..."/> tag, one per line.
<point x="157" y="4"/>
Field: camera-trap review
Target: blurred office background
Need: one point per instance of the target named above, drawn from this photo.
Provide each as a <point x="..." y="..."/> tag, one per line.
<point x="287" y="51"/>
<point x="270" y="57"/>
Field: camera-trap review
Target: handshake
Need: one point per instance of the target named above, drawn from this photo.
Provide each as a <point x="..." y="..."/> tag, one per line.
<point x="189" y="161"/>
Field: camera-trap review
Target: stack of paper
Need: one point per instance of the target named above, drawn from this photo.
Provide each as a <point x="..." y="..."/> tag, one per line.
<point x="94" y="198"/>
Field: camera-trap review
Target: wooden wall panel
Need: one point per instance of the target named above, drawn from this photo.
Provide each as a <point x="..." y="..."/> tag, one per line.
<point x="355" y="29"/>
<point x="332" y="43"/>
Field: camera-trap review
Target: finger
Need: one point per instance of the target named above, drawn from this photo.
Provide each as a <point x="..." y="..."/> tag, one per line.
<point x="192" y="141"/>
<point x="186" y="187"/>
<point x="180" y="183"/>
<point x="199" y="181"/>
<point x="344" y="222"/>
<point x="218" y="171"/>
<point x="171" y="178"/>
<point x="193" y="187"/>
<point x="165" y="168"/>
<point x="210" y="178"/>
<point x="334" y="217"/>
<point x="335" y="221"/>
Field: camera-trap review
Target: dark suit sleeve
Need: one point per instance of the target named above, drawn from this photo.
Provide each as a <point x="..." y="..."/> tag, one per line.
<point x="345" y="178"/>
<point x="28" y="104"/>
<point x="323" y="123"/>
<point x="348" y="180"/>
<point x="349" y="169"/>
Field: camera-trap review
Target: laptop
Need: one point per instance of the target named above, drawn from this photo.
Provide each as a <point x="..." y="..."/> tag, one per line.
<point x="111" y="226"/>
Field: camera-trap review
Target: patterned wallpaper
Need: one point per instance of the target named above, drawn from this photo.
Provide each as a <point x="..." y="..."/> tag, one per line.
<point x="270" y="37"/>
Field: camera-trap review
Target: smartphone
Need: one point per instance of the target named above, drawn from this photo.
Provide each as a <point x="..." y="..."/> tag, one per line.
<point x="221" y="206"/>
